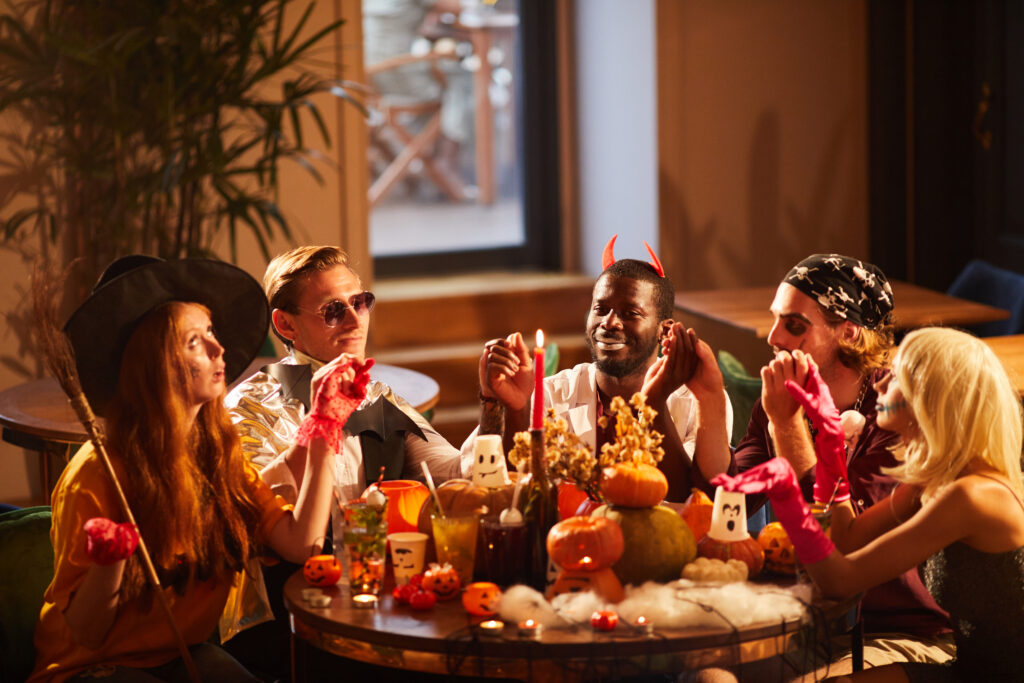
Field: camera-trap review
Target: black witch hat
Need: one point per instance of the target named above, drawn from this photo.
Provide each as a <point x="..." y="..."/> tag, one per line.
<point x="134" y="285"/>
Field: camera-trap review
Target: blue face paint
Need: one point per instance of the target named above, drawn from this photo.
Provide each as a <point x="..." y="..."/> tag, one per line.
<point x="883" y="408"/>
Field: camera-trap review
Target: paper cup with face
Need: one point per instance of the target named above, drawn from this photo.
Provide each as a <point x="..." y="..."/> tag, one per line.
<point x="407" y="550"/>
<point x="489" y="462"/>
<point x="729" y="516"/>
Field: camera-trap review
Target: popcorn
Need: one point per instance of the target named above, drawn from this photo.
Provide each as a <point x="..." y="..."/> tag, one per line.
<point x="713" y="569"/>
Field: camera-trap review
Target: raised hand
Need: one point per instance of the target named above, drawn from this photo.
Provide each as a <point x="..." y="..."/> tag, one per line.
<point x="675" y="367"/>
<point x="830" y="441"/>
<point x="776" y="401"/>
<point x="338" y="394"/>
<point x="776" y="478"/>
<point x="506" y="371"/>
<point x="107" y="542"/>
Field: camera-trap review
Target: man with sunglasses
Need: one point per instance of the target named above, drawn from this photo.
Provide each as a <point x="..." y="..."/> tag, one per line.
<point x="321" y="312"/>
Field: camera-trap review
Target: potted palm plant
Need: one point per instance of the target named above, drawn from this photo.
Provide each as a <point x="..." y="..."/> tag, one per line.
<point x="152" y="126"/>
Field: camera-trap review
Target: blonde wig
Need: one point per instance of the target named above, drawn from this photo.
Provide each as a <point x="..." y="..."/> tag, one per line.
<point x="965" y="407"/>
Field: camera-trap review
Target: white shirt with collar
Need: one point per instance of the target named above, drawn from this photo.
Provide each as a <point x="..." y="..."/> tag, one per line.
<point x="572" y="394"/>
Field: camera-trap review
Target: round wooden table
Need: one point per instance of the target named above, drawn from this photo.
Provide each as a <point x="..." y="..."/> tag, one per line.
<point x="36" y="416"/>
<point x="445" y="640"/>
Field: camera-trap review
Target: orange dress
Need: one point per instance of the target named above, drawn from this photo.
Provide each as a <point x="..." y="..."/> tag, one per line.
<point x="137" y="638"/>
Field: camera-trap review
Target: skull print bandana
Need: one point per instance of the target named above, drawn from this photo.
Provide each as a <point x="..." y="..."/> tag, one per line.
<point x="854" y="290"/>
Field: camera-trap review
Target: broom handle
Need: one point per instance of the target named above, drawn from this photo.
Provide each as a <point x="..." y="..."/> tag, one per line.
<point x="88" y="420"/>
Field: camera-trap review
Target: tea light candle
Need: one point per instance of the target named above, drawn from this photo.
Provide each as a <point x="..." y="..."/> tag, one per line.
<point x="309" y="593"/>
<point x="491" y="627"/>
<point x="364" y="601"/>
<point x="320" y="600"/>
<point x="529" y="629"/>
<point x="644" y="625"/>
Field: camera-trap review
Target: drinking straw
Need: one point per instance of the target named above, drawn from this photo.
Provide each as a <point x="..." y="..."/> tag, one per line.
<point x="514" y="516"/>
<point x="430" y="485"/>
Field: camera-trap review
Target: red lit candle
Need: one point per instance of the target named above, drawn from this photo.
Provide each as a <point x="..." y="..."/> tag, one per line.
<point x="538" y="383"/>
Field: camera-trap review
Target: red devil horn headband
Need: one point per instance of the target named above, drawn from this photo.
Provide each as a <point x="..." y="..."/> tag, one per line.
<point x="608" y="257"/>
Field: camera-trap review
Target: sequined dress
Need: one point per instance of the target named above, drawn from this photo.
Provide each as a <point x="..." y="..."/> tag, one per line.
<point x="984" y="595"/>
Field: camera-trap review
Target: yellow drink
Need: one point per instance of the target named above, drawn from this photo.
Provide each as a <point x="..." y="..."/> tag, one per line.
<point x="455" y="541"/>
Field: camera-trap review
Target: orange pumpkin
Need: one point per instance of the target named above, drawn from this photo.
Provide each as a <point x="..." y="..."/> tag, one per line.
<point x="443" y="580"/>
<point x="749" y="551"/>
<point x="482" y="598"/>
<point x="603" y="583"/>
<point x="633" y="485"/>
<point x="570" y="496"/>
<point x="585" y="543"/>
<point x="696" y="512"/>
<point x="779" y="556"/>
<point x="322" y="570"/>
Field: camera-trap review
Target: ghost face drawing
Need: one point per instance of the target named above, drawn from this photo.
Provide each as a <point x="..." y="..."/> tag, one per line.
<point x="729" y="516"/>
<point x="489" y="462"/>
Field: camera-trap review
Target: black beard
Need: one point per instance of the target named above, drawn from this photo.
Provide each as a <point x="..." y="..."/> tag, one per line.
<point x="628" y="365"/>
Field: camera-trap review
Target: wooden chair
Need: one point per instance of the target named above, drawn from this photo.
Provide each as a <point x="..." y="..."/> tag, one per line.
<point x="392" y="112"/>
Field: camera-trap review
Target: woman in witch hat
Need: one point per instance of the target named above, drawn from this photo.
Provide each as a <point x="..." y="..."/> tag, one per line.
<point x="155" y="345"/>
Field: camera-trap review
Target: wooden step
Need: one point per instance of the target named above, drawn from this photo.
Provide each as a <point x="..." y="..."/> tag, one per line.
<point x="455" y="424"/>
<point x="466" y="308"/>
<point x="454" y="366"/>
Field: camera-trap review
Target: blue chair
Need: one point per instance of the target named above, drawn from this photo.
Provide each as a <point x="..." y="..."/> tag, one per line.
<point x="984" y="283"/>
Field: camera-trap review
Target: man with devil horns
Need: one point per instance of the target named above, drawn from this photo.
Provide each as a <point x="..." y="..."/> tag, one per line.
<point x="629" y="323"/>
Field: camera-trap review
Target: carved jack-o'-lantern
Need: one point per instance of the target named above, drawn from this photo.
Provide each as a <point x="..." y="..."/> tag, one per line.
<point x="322" y="570"/>
<point x="443" y="580"/>
<point x="779" y="556"/>
<point x="603" y="583"/>
<point x="482" y="598"/>
<point x="585" y="543"/>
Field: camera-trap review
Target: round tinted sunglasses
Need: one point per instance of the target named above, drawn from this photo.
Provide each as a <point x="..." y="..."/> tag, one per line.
<point x="333" y="312"/>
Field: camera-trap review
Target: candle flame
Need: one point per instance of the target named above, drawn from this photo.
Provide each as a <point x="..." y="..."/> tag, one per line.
<point x="540" y="339"/>
<point x="640" y="621"/>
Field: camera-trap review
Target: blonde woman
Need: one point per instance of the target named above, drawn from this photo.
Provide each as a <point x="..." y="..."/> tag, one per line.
<point x="957" y="514"/>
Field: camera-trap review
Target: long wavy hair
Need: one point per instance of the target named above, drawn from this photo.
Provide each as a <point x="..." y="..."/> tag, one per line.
<point x="185" y="480"/>
<point x="871" y="349"/>
<point x="965" y="407"/>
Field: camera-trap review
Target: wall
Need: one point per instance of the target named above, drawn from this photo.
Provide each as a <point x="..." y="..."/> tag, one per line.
<point x="615" y="73"/>
<point x="762" y="159"/>
<point x="332" y="213"/>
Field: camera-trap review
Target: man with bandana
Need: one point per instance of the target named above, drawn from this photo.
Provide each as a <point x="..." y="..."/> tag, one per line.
<point x="837" y="311"/>
<point x="630" y="319"/>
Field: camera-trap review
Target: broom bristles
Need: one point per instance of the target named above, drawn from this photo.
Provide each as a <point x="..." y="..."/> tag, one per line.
<point x="50" y="339"/>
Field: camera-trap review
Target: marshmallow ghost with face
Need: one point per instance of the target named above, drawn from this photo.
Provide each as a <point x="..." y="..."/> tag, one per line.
<point x="489" y="468"/>
<point x="729" y="516"/>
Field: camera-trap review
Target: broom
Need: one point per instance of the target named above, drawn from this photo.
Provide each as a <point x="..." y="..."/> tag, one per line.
<point x="60" y="358"/>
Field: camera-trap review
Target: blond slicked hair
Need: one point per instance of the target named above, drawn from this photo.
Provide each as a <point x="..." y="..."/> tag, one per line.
<point x="281" y="279"/>
<point x="965" y="407"/>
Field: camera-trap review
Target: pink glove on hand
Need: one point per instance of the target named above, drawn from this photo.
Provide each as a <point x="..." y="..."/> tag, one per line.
<point x="334" y="403"/>
<point x="107" y="542"/>
<point x="777" y="479"/>
<point x="829" y="442"/>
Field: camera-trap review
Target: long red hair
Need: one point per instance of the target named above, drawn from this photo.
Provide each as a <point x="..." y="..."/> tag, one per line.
<point x="185" y="480"/>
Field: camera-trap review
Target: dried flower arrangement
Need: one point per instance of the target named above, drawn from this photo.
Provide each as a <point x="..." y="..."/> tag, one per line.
<point x="569" y="459"/>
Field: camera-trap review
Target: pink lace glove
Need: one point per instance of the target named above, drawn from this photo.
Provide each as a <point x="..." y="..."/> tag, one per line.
<point x="829" y="442"/>
<point x="107" y="542"/>
<point x="336" y="399"/>
<point x="777" y="479"/>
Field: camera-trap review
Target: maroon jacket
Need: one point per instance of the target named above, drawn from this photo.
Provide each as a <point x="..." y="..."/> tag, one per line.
<point x="902" y="605"/>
